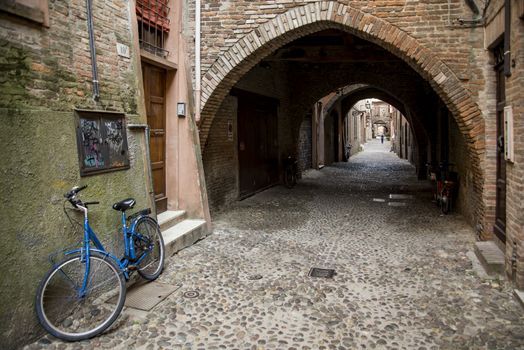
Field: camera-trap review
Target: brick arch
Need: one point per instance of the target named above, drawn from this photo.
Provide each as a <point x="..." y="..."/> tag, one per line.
<point x="300" y="21"/>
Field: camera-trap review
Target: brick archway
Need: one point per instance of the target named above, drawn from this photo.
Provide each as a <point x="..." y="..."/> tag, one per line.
<point x="230" y="66"/>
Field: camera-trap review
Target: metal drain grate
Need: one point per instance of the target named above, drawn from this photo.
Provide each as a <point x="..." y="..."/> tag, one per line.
<point x="147" y="296"/>
<point x="323" y="273"/>
<point x="191" y="294"/>
<point x="397" y="204"/>
<point x="401" y="196"/>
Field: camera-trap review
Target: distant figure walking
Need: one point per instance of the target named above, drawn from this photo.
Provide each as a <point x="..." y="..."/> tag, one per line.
<point x="382" y="138"/>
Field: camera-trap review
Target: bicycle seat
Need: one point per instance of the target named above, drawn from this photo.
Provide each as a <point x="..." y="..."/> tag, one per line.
<point x="124" y="204"/>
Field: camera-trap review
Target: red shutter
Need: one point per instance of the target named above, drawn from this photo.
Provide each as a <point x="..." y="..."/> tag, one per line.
<point x="153" y="13"/>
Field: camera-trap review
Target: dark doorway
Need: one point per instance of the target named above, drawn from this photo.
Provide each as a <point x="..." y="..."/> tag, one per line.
<point x="155" y="93"/>
<point x="257" y="142"/>
<point x="500" y="210"/>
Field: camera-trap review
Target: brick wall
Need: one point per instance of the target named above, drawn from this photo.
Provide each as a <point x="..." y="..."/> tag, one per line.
<point x="307" y="84"/>
<point x="514" y="246"/>
<point x="50" y="68"/>
<point x="422" y="34"/>
<point x="45" y="74"/>
<point x="221" y="158"/>
<point x="305" y="143"/>
<point x="220" y="155"/>
<point x="450" y="56"/>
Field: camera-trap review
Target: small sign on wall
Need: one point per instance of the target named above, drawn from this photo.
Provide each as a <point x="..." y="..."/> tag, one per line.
<point x="230" y="130"/>
<point x="122" y="50"/>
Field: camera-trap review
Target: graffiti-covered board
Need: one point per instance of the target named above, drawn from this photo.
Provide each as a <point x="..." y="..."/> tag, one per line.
<point x="102" y="142"/>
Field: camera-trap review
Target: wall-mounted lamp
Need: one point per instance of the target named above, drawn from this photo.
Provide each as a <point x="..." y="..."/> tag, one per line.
<point x="181" y="109"/>
<point x="368" y="105"/>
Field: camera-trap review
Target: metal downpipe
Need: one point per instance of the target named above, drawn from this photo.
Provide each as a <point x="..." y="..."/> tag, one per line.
<point x="198" y="83"/>
<point x="507" y="38"/>
<point x="94" y="70"/>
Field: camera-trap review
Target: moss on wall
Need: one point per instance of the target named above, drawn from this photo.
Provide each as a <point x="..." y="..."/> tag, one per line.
<point x="40" y="163"/>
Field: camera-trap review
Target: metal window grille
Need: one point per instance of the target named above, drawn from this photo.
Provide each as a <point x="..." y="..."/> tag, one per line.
<point x="153" y="25"/>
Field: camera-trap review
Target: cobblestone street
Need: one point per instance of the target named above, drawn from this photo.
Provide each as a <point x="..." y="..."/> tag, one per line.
<point x="404" y="279"/>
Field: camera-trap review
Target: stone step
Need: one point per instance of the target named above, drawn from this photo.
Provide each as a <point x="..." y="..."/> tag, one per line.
<point x="519" y="295"/>
<point x="183" y="235"/>
<point x="170" y="218"/>
<point x="490" y="256"/>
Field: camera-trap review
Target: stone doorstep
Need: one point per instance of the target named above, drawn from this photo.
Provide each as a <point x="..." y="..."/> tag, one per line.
<point x="491" y="257"/>
<point x="519" y="295"/>
<point x="183" y="235"/>
<point x="170" y="218"/>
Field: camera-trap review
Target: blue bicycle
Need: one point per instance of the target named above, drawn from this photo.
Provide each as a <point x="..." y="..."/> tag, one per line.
<point x="82" y="295"/>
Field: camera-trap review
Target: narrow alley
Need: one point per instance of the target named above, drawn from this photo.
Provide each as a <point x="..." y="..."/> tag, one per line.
<point x="404" y="278"/>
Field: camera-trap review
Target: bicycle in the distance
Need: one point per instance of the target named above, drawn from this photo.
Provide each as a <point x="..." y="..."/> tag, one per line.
<point x="290" y="171"/>
<point x="84" y="293"/>
<point x="444" y="187"/>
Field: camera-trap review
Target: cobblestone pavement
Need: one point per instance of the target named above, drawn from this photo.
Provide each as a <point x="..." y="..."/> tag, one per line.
<point x="403" y="279"/>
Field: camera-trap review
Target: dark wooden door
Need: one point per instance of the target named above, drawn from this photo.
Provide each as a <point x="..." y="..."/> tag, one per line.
<point x="500" y="209"/>
<point x="257" y="142"/>
<point x="155" y="95"/>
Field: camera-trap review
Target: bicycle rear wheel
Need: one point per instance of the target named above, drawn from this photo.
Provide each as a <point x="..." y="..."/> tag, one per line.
<point x="149" y="241"/>
<point x="289" y="178"/>
<point x="445" y="204"/>
<point x="68" y="315"/>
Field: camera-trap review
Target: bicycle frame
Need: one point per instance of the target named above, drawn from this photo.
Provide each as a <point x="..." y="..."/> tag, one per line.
<point x="90" y="236"/>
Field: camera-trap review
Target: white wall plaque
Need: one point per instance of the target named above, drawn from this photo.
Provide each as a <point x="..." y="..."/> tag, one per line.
<point x="122" y="50"/>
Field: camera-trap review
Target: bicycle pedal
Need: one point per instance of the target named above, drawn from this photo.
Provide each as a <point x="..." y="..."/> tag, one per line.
<point x="132" y="267"/>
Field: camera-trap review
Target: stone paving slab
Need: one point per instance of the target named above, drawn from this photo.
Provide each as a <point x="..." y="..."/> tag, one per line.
<point x="403" y="276"/>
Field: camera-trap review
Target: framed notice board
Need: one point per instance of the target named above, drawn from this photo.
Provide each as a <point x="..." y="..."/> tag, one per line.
<point x="102" y="142"/>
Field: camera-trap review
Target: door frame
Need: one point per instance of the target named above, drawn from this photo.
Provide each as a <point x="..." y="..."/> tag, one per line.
<point x="161" y="204"/>
<point x="499" y="225"/>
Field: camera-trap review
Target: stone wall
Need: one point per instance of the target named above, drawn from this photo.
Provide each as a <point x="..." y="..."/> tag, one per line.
<point x="45" y="75"/>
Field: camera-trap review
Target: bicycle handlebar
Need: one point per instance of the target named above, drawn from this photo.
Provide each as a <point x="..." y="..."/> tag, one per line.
<point x="71" y="197"/>
<point x="74" y="191"/>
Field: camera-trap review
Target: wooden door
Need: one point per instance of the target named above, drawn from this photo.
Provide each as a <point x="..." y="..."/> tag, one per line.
<point x="155" y="95"/>
<point x="257" y="142"/>
<point x="500" y="209"/>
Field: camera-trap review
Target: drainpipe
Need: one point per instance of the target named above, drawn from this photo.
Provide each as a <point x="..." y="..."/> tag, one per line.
<point x="473" y="6"/>
<point x="507" y="32"/>
<point x="198" y="92"/>
<point x="478" y="19"/>
<point x="94" y="71"/>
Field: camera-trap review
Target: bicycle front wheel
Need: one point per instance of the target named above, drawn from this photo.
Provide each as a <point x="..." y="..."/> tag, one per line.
<point x="70" y="314"/>
<point x="149" y="245"/>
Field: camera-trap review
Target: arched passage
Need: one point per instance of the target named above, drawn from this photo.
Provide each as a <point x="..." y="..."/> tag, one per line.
<point x="313" y="17"/>
<point x="420" y="131"/>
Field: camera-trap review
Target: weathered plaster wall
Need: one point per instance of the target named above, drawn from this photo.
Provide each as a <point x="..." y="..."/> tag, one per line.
<point x="45" y="74"/>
